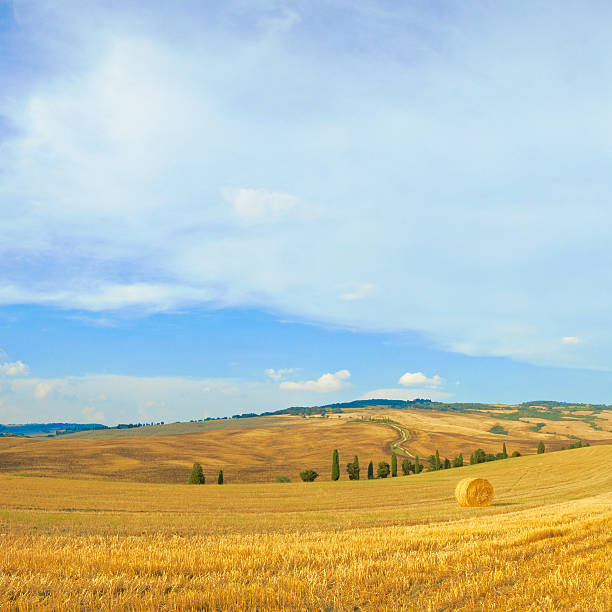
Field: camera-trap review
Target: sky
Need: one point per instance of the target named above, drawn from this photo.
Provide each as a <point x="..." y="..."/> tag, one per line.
<point x="224" y="207"/>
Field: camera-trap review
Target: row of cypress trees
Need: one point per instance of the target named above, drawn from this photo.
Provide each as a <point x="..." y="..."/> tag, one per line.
<point x="197" y="475"/>
<point x="384" y="469"/>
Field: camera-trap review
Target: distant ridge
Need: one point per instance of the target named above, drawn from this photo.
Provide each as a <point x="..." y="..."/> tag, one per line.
<point x="29" y="429"/>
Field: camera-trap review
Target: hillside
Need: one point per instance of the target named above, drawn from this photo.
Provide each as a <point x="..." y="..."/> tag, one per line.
<point x="399" y="543"/>
<point x="261" y="448"/>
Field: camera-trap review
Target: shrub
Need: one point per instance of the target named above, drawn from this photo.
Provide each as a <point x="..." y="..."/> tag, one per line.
<point x="383" y="469"/>
<point x="308" y="475"/>
<point x="478" y="456"/>
<point x="197" y="475"/>
<point x="498" y="429"/>
<point x="541" y="448"/>
<point x="406" y="467"/>
<point x="283" y="479"/>
<point x="418" y="467"/>
<point x="516" y="454"/>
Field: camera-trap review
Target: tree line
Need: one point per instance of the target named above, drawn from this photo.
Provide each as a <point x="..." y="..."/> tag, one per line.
<point x="384" y="469"/>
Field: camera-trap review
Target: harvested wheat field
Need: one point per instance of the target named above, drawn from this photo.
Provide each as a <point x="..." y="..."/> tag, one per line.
<point x="247" y="450"/>
<point x="397" y="544"/>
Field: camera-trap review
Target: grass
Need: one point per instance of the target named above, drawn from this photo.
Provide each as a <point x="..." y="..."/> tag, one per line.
<point x="398" y="544"/>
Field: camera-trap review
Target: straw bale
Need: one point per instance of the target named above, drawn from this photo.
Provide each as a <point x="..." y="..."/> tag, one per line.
<point x="474" y="492"/>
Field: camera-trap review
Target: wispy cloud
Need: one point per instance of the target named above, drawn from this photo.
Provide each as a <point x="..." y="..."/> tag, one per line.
<point x="120" y="154"/>
<point x="360" y="292"/>
<point x="260" y="206"/>
<point x="15" y="368"/>
<point x="279" y="374"/>
<point x="570" y="340"/>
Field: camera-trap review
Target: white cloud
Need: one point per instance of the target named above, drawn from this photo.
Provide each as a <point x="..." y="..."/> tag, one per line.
<point x="418" y="379"/>
<point x="570" y="340"/>
<point x="93" y="415"/>
<point x="323" y="384"/>
<point x="278" y="374"/>
<point x="359" y="293"/>
<point x="260" y="205"/>
<point x="84" y="171"/>
<point x="42" y="390"/>
<point x="406" y="394"/>
<point x="16" y="368"/>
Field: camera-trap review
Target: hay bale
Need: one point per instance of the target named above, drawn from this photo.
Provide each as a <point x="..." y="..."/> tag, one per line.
<point x="474" y="492"/>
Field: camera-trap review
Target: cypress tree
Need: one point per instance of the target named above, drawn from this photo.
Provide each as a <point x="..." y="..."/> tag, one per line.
<point x="370" y="471"/>
<point x="447" y="463"/>
<point x="335" y="474"/>
<point x="353" y="469"/>
<point x="197" y="475"/>
<point x="220" y="478"/>
<point x="504" y="451"/>
<point x="541" y="447"/>
<point x="417" y="466"/>
<point x="393" y="465"/>
<point x="437" y="465"/>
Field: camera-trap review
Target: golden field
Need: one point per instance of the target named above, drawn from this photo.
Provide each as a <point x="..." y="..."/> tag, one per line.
<point x="395" y="544"/>
<point x="259" y="449"/>
<point x="255" y="451"/>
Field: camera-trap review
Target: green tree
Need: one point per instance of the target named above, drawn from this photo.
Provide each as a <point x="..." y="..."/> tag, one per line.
<point x="393" y="465"/>
<point x="458" y="461"/>
<point x="516" y="454"/>
<point x="308" y="475"/>
<point x="418" y="467"/>
<point x="383" y="469"/>
<point x="220" y="477"/>
<point x="478" y="456"/>
<point x="335" y="465"/>
<point x="370" y="471"/>
<point x="283" y="479"/>
<point x="447" y="463"/>
<point x="504" y="451"/>
<point x="406" y="467"/>
<point x="437" y="465"/>
<point x="353" y="469"/>
<point x="541" y="447"/>
<point x="197" y="475"/>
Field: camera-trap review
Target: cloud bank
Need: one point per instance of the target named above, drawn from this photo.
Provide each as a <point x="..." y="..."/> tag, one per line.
<point x="292" y="158"/>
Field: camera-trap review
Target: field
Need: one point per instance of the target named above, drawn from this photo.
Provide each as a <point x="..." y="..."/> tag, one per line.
<point x="260" y="449"/>
<point x="395" y="544"/>
<point x="245" y="453"/>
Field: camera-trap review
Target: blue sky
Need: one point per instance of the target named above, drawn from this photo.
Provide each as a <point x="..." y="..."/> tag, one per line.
<point x="209" y="208"/>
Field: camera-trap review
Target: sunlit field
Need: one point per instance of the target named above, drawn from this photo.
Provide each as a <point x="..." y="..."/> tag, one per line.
<point x="400" y="543"/>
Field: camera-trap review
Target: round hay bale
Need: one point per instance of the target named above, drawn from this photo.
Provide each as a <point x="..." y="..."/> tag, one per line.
<point x="474" y="492"/>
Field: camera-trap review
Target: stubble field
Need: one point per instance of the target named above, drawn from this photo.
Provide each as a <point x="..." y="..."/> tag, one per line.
<point x="395" y="544"/>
